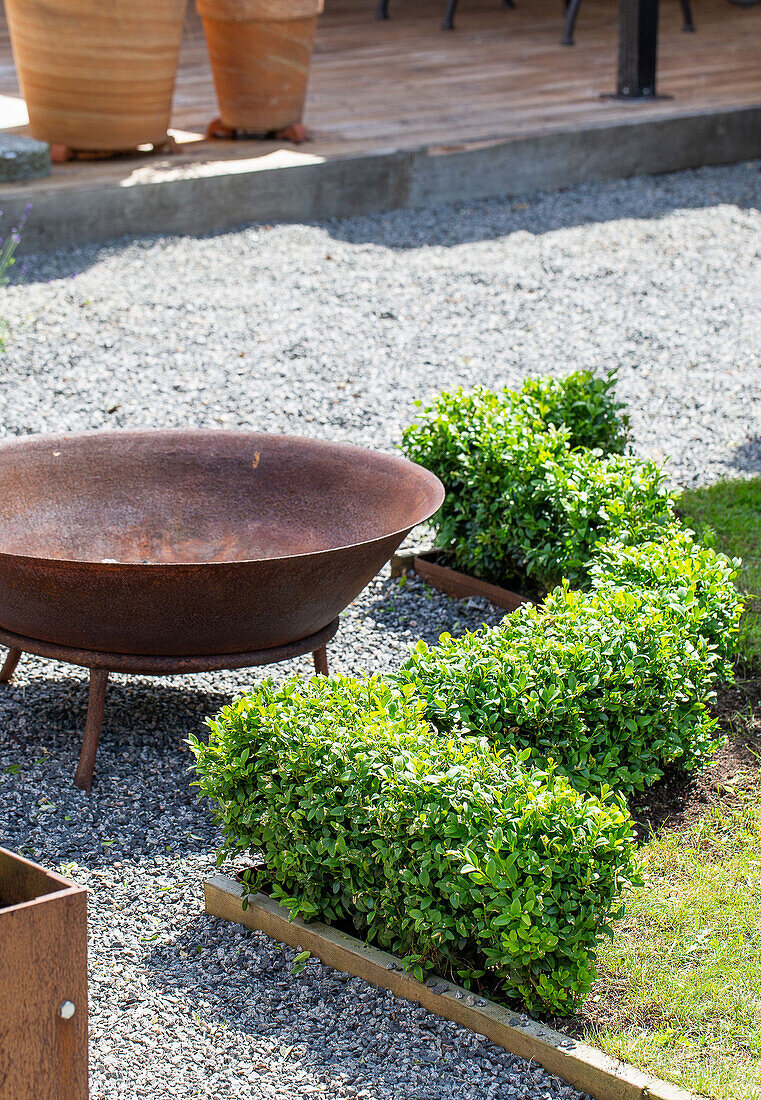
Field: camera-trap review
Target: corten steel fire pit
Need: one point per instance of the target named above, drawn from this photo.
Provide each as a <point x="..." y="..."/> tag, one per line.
<point x="161" y="552"/>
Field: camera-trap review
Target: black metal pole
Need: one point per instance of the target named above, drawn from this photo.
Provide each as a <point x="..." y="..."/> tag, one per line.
<point x="637" y="48"/>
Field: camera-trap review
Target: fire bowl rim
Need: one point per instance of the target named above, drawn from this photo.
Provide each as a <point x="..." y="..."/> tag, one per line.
<point x="53" y="438"/>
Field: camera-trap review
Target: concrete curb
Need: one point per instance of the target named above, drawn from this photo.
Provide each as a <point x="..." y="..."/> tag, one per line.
<point x="210" y="197"/>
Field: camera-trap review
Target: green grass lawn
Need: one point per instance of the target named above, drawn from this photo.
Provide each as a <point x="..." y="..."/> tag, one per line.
<point x="679" y="988"/>
<point x="679" y="992"/>
<point x="728" y="516"/>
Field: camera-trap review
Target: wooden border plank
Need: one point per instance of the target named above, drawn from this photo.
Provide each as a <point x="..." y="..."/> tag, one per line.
<point x="584" y="1067"/>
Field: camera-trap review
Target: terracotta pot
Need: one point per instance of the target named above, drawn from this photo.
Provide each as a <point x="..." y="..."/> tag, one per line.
<point x="260" y="52"/>
<point x="97" y="74"/>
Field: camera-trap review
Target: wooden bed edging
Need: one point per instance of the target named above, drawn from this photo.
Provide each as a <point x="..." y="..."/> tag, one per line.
<point x="582" y="1066"/>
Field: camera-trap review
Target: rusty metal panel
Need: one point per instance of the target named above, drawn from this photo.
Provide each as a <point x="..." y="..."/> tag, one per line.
<point x="43" y="984"/>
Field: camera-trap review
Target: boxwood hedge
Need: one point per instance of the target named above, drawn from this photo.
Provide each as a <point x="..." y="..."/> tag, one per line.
<point x="697" y="581"/>
<point x="524" y="501"/>
<point x="467" y="813"/>
<point x="452" y="855"/>
<point x="612" y="685"/>
<point x="583" y="402"/>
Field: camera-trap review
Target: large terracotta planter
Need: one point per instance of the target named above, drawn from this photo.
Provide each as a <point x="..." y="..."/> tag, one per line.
<point x="260" y="53"/>
<point x="97" y="75"/>
<point x="43" y="983"/>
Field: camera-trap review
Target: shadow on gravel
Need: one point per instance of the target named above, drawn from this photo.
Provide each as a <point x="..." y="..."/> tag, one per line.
<point x="45" y="712"/>
<point x="642" y="198"/>
<point x="142" y="800"/>
<point x="747" y="457"/>
<point x="421" y="612"/>
<point x="452" y="224"/>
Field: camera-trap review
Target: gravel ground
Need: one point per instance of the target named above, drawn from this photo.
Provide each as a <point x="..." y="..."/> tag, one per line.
<point x="332" y="330"/>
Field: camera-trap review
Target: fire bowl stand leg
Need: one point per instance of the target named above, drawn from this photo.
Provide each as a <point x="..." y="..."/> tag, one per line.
<point x="316" y="644"/>
<point x="98" y="681"/>
<point x="9" y="667"/>
<point x="96" y="705"/>
<point x="321" y="661"/>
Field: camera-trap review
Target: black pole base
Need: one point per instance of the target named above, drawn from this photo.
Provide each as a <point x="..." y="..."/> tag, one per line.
<point x="641" y="98"/>
<point x="637" y="48"/>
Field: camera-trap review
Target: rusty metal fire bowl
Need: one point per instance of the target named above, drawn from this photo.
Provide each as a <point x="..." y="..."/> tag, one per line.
<point x="160" y="552"/>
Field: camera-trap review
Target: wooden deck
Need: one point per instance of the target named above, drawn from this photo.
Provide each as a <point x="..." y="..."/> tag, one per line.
<point x="381" y="88"/>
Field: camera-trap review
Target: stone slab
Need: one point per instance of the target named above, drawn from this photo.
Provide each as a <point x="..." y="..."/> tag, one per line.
<point x="23" y="158"/>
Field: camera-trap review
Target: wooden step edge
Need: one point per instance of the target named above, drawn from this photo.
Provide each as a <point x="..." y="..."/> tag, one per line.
<point x="584" y="1067"/>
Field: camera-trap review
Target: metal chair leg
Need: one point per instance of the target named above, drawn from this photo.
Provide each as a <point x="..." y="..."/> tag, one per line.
<point x="9" y="667"/>
<point x="572" y="11"/>
<point x="381" y="12"/>
<point x="86" y="766"/>
<point x="321" y="661"/>
<point x="571" y="14"/>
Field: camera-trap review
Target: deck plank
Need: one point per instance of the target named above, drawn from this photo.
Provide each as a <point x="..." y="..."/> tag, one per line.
<point x="405" y="83"/>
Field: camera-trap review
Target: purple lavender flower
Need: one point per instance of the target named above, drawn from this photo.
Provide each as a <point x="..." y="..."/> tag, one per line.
<point x="10" y="243"/>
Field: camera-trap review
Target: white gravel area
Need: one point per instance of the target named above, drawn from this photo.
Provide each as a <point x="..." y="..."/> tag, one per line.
<point x="332" y="330"/>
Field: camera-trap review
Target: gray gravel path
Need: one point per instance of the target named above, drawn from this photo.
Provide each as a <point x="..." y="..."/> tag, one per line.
<point x="333" y="330"/>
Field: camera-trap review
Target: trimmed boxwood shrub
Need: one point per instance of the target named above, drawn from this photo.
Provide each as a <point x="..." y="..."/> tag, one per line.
<point x="494" y="469"/>
<point x="451" y="855"/>
<point x="578" y="502"/>
<point x="699" y="581"/>
<point x="612" y="685"/>
<point x="582" y="402"/>
<point x="523" y="503"/>
<point x="467" y="813"/>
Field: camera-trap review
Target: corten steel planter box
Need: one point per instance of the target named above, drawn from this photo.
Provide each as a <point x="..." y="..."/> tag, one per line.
<point x="43" y="983"/>
<point x="427" y="565"/>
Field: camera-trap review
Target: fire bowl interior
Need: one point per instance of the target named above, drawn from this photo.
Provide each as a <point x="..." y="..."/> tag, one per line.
<point x="194" y="542"/>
